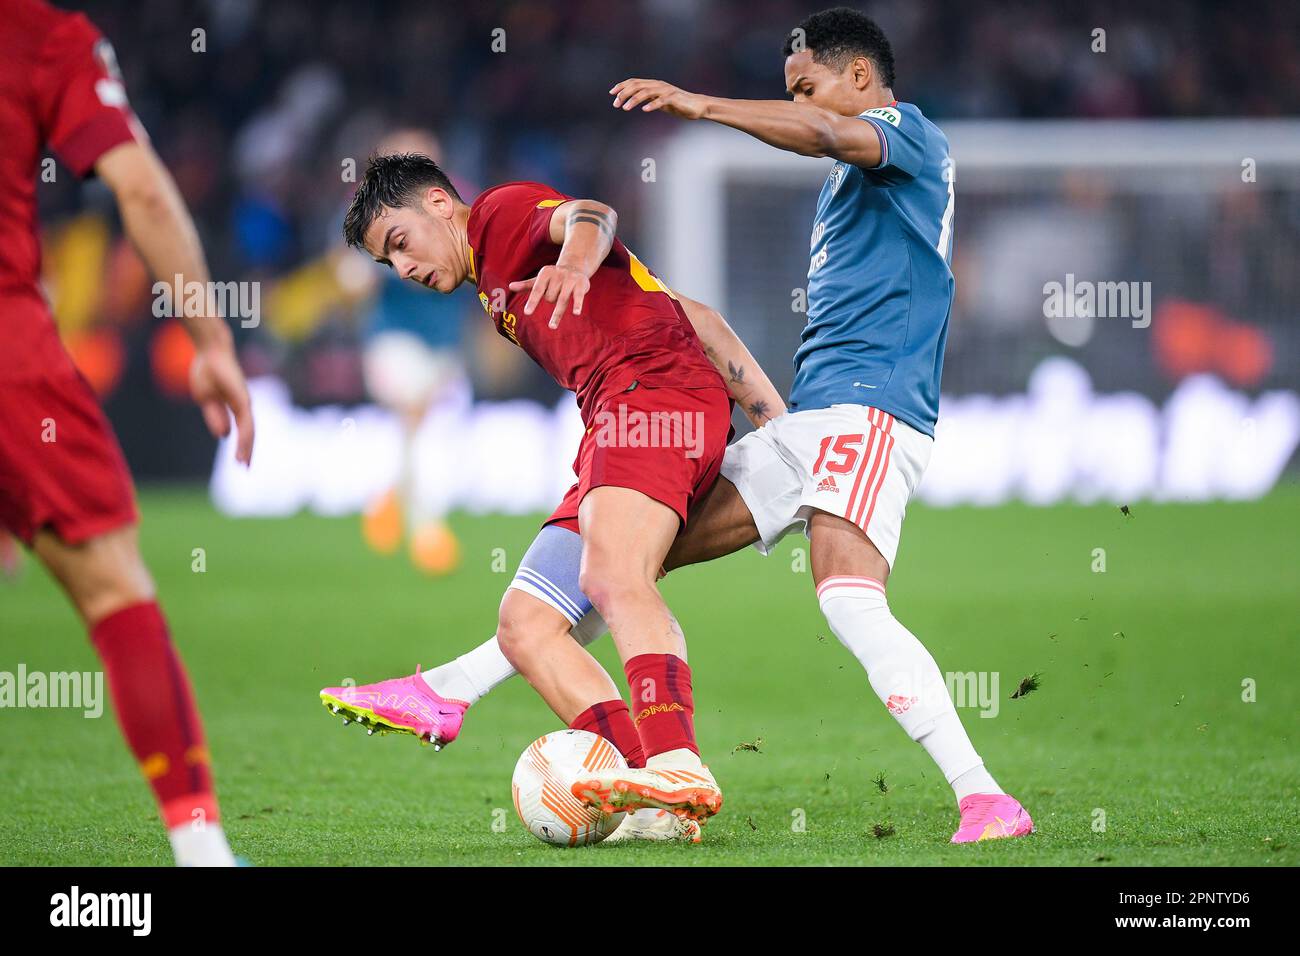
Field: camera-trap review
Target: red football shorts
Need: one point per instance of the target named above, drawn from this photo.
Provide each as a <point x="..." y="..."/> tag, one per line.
<point x="60" y="464"/>
<point x="666" y="443"/>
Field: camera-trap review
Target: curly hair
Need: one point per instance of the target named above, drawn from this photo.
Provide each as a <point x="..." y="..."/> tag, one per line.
<point x="836" y="36"/>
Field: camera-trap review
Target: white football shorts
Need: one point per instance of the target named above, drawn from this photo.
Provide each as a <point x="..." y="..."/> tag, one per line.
<point x="852" y="461"/>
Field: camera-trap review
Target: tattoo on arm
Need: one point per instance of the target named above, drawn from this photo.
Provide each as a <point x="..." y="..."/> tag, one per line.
<point x="737" y="373"/>
<point x="596" y="217"/>
<point x="759" y="409"/>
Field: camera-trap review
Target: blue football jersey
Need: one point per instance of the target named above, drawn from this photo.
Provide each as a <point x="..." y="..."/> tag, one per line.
<point x="880" y="286"/>
<point x="402" y="306"/>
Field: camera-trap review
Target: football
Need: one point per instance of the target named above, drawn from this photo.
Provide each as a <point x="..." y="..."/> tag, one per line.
<point x="540" y="787"/>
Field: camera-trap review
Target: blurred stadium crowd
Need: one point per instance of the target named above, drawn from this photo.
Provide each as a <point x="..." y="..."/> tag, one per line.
<point x="258" y="107"/>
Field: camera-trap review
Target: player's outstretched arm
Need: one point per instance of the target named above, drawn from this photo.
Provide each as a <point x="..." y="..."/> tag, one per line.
<point x="584" y="229"/>
<point x="746" y="380"/>
<point x="797" y="127"/>
<point x="157" y="222"/>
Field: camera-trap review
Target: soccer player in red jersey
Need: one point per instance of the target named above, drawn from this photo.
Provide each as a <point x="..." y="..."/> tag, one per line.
<point x="556" y="281"/>
<point x="64" y="487"/>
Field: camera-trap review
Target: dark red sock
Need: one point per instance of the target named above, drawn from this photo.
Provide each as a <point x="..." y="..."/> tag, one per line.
<point x="663" y="709"/>
<point x="155" y="708"/>
<point x="611" y="720"/>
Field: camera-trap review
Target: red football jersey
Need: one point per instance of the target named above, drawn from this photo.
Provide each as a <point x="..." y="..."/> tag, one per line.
<point x="631" y="328"/>
<point x="59" y="88"/>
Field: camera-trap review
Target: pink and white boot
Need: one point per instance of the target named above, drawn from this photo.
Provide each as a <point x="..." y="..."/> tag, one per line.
<point x="404" y="705"/>
<point x="991" y="816"/>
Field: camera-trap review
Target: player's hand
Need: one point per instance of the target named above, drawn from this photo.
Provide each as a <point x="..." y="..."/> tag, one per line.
<point x="652" y="95"/>
<point x="559" y="284"/>
<point x="217" y="385"/>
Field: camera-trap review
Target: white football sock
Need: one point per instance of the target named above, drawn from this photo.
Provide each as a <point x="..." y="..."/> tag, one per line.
<point x="975" y="780"/>
<point x="475" y="674"/>
<point x="202" y="846"/>
<point x="904" y="677"/>
<point x="682" y="756"/>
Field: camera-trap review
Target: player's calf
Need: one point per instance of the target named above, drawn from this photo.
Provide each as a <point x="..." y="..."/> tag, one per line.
<point x="538" y="642"/>
<point x="625" y="537"/>
<point x="152" y="699"/>
<point x="543" y="599"/>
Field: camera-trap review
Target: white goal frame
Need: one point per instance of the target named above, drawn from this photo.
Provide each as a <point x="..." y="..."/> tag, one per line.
<point x="686" y="225"/>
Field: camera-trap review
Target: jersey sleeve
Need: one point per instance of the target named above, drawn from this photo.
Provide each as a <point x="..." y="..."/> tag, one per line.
<point x="80" y="95"/>
<point x="902" y="144"/>
<point x="527" y="208"/>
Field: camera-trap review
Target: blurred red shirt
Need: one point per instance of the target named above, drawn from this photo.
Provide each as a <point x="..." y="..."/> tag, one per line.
<point x="59" y="90"/>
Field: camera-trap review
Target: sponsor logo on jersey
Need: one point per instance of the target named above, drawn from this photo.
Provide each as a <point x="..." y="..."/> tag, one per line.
<point x="818" y="260"/>
<point x="886" y="113"/>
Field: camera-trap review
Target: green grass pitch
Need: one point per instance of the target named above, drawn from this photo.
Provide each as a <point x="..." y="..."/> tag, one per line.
<point x="1137" y="748"/>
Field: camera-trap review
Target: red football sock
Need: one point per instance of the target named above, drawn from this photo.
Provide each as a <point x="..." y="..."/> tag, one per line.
<point x="661" y="695"/>
<point x="611" y="720"/>
<point x="155" y="708"/>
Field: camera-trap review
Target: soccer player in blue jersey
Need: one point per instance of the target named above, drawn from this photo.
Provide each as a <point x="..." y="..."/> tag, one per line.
<point x="843" y="462"/>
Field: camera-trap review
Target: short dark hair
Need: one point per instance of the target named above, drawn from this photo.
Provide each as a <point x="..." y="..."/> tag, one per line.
<point x="397" y="179"/>
<point x="836" y="36"/>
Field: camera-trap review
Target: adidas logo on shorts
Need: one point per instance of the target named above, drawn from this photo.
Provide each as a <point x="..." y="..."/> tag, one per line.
<point x="828" y="484"/>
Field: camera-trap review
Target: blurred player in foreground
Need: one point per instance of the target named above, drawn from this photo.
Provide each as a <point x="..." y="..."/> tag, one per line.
<point x="64" y="488"/>
<point x="658" y="416"/>
<point x="843" y="463"/>
<point x="412" y="364"/>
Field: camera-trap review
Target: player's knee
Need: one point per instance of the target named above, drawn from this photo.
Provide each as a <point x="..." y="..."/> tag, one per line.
<point x="126" y="588"/>
<point x="102" y="575"/>
<point x="525" y="625"/>
<point x="609" y="584"/>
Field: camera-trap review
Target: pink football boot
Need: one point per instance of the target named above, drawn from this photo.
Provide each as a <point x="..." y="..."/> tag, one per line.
<point x="991" y="816"/>
<point x="404" y="705"/>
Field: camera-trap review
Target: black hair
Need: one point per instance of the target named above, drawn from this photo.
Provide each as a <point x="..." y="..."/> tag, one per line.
<point x="836" y="36"/>
<point x="397" y="179"/>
